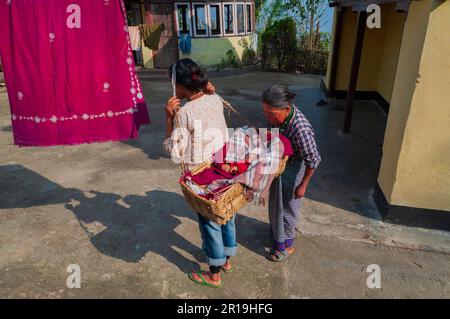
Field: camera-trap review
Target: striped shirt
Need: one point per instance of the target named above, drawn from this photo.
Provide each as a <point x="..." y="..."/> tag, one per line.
<point x="301" y="134"/>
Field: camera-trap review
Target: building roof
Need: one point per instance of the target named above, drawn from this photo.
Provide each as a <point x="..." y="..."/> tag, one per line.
<point x="359" y="5"/>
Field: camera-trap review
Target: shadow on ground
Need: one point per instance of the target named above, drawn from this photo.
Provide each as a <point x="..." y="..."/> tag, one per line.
<point x="125" y="228"/>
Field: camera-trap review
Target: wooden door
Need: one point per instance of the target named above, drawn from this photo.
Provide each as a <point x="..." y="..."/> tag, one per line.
<point x="167" y="53"/>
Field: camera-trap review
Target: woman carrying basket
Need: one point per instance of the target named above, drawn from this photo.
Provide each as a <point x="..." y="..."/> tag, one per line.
<point x="287" y="190"/>
<point x="196" y="131"/>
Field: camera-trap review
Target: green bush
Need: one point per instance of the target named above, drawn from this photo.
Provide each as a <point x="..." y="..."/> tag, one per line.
<point x="281" y="50"/>
<point x="229" y="61"/>
<point x="278" y="43"/>
<point x="248" y="54"/>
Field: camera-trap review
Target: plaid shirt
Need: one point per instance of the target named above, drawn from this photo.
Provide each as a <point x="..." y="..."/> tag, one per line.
<point x="301" y="134"/>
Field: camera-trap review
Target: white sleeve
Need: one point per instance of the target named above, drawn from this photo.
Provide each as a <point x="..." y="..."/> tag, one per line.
<point x="179" y="141"/>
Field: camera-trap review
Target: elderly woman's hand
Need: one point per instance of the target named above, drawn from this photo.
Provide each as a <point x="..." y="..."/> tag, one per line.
<point x="300" y="191"/>
<point x="173" y="105"/>
<point x="210" y="89"/>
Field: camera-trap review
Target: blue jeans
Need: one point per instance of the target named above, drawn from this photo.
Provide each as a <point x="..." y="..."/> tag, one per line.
<point x="219" y="241"/>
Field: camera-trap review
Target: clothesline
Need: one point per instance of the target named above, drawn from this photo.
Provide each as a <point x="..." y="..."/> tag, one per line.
<point x="149" y="33"/>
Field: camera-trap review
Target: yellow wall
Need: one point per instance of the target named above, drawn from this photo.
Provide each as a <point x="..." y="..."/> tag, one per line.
<point x="346" y="50"/>
<point x="392" y="23"/>
<point x="408" y="62"/>
<point x="370" y="58"/>
<point x="379" y="56"/>
<point x="330" y="55"/>
<point x="415" y="168"/>
<point x="210" y="51"/>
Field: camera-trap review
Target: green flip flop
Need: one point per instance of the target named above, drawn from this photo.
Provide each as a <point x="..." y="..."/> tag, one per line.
<point x="203" y="281"/>
<point x="227" y="271"/>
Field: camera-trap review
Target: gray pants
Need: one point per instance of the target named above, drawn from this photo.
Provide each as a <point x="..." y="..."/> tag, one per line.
<point x="284" y="208"/>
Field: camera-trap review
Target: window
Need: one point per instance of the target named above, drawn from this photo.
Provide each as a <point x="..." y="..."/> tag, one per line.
<point x="249" y="17"/>
<point x="200" y="26"/>
<point x="202" y="19"/>
<point x="183" y="18"/>
<point x="228" y="18"/>
<point x="214" y="19"/>
<point x="240" y="18"/>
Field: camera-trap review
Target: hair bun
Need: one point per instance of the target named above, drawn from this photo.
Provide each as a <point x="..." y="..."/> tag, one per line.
<point x="190" y="75"/>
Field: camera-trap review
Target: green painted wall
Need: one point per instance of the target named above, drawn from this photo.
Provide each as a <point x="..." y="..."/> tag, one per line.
<point x="210" y="51"/>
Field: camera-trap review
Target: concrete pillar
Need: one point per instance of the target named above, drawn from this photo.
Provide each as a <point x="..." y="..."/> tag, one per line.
<point x="415" y="169"/>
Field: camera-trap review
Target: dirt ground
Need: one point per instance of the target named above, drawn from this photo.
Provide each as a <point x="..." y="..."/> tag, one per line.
<point x="116" y="210"/>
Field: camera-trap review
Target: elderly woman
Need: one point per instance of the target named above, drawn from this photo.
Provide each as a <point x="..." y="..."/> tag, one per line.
<point x="287" y="190"/>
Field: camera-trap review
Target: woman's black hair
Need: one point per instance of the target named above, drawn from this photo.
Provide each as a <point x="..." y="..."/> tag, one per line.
<point x="278" y="96"/>
<point x="189" y="75"/>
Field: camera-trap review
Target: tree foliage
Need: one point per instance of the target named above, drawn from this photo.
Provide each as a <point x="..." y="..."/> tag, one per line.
<point x="279" y="44"/>
<point x="290" y="38"/>
<point x="309" y="15"/>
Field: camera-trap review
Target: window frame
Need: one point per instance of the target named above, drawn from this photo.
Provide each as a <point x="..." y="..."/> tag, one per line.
<point x="236" y="18"/>
<point x="221" y="17"/>
<point x="189" y="17"/>
<point x="194" y="19"/>
<point x="233" y="9"/>
<point x="249" y="18"/>
<point x="253" y="18"/>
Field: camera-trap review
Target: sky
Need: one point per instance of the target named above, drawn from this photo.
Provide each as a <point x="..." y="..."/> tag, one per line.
<point x="329" y="25"/>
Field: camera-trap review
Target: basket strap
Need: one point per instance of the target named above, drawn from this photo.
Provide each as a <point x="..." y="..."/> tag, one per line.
<point x="229" y="107"/>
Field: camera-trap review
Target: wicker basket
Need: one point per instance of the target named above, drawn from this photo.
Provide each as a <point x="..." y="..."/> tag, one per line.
<point x="221" y="209"/>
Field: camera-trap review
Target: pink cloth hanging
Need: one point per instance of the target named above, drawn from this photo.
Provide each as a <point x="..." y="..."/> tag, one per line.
<point x="70" y="72"/>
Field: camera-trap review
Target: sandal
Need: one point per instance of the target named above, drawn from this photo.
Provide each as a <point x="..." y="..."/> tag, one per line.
<point x="277" y="256"/>
<point x="290" y="250"/>
<point x="227" y="271"/>
<point x="203" y="281"/>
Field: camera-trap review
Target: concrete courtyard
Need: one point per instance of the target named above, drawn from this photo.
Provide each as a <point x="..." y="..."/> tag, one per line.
<point x="116" y="210"/>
